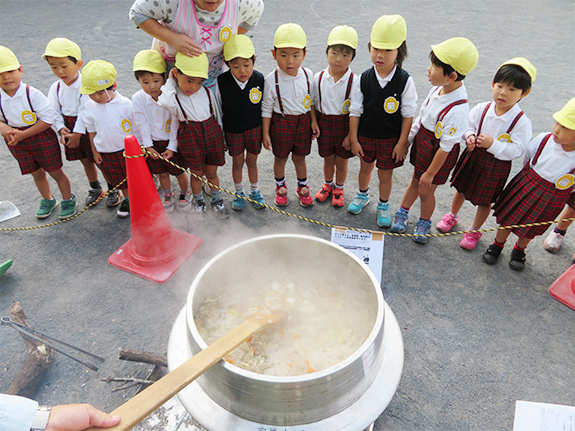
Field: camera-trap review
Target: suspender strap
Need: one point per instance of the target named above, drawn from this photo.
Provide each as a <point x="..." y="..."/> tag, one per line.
<point x="278" y="88"/>
<point x="348" y="89"/>
<point x="319" y="87"/>
<point x="443" y="113"/>
<point x="29" y="103"/>
<point x="514" y="122"/>
<point x="482" y="118"/>
<point x="212" y="112"/>
<point x="540" y="149"/>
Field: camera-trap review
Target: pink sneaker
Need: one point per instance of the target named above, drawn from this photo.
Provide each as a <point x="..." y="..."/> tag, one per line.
<point x="281" y="198"/>
<point x="305" y="199"/>
<point x="470" y="239"/>
<point x="447" y="222"/>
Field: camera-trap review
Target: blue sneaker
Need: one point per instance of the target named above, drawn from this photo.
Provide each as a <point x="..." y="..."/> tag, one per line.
<point x="256" y="196"/>
<point x="361" y="200"/>
<point x="383" y="217"/>
<point x="238" y="203"/>
<point x="400" y="222"/>
<point x="422" y="227"/>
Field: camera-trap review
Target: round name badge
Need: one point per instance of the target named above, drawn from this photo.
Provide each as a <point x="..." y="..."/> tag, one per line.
<point x="255" y="95"/>
<point x="225" y="34"/>
<point x="345" y="107"/>
<point x="390" y="105"/>
<point x="168" y="126"/>
<point x="307" y="101"/>
<point x="126" y="125"/>
<point x="504" y="137"/>
<point x="29" y="117"/>
<point x="438" y="129"/>
<point x="452" y="131"/>
<point x="565" y="181"/>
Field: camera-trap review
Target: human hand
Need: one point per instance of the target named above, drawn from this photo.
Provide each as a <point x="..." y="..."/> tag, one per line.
<point x="74" y="140"/>
<point x="400" y="151"/>
<point x="153" y="153"/>
<point x="77" y="417"/>
<point x="168" y="154"/>
<point x="185" y="44"/>
<point x="346" y="144"/>
<point x="97" y="157"/>
<point x="267" y="142"/>
<point x="484" y="141"/>
<point x="64" y="135"/>
<point x="13" y="137"/>
<point x="470" y="143"/>
<point x="426" y="179"/>
<point x="315" y="132"/>
<point x="356" y="148"/>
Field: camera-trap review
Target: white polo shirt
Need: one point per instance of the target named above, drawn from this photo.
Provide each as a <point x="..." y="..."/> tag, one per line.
<point x="553" y="162"/>
<point x="333" y="93"/>
<point x="67" y="100"/>
<point x="18" y="110"/>
<point x="296" y="98"/>
<point x="152" y="122"/>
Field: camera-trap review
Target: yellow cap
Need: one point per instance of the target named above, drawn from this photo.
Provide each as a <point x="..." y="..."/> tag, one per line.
<point x="239" y="46"/>
<point x="193" y="66"/>
<point x="8" y="60"/>
<point x="343" y="35"/>
<point x="566" y="117"/>
<point x="388" y="32"/>
<point x="97" y="76"/>
<point x="525" y="65"/>
<point x="62" y="47"/>
<point x="290" y="36"/>
<point x="149" y="60"/>
<point x="459" y="53"/>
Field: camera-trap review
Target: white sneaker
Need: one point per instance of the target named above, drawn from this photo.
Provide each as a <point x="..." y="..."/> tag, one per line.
<point x="553" y="242"/>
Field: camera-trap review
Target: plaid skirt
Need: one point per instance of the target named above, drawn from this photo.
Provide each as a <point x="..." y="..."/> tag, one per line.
<point x="380" y="150"/>
<point x="571" y="201"/>
<point x="479" y="176"/>
<point x="528" y="198"/>
<point x="290" y="134"/>
<point x="423" y="150"/>
<point x="249" y="140"/>
<point x="39" y="151"/>
<point x="82" y="151"/>
<point x="334" y="129"/>
<point x="201" y="143"/>
<point x="114" y="168"/>
<point x="158" y="166"/>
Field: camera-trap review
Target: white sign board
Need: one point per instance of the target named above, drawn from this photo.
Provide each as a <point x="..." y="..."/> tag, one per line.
<point x="532" y="416"/>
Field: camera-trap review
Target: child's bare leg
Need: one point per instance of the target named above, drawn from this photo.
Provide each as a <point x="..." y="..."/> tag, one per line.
<point x="329" y="168"/>
<point x="63" y="183"/>
<point x="523" y="242"/>
<point x="481" y="215"/>
<point x="300" y="166"/>
<point x="125" y="192"/>
<point x="502" y="235"/>
<point x="364" y="176"/>
<point x="165" y="181"/>
<point x="427" y="198"/>
<point x="340" y="170"/>
<point x="183" y="181"/>
<point x="197" y="184"/>
<point x="411" y="193"/>
<point x="211" y="173"/>
<point x="279" y="167"/>
<point x="457" y="203"/>
<point x="567" y="212"/>
<point x="385" y="183"/>
<point x="252" y="164"/>
<point x="90" y="170"/>
<point x="237" y="168"/>
<point x="42" y="183"/>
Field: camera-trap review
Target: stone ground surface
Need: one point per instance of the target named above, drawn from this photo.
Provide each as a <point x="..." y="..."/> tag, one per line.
<point x="477" y="338"/>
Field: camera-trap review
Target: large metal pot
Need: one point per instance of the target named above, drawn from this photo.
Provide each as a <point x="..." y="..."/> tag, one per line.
<point x="229" y="398"/>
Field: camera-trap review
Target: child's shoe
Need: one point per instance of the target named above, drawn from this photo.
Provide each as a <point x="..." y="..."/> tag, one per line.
<point x="114" y="198"/>
<point x="124" y="210"/>
<point x="383" y="217"/>
<point x="305" y="200"/>
<point x="68" y="208"/>
<point x="94" y="195"/>
<point x="358" y="203"/>
<point x="198" y="205"/>
<point x="281" y="198"/>
<point x="517" y="261"/>
<point x="256" y="196"/>
<point x="422" y="227"/>
<point x="323" y="193"/>
<point x="492" y="254"/>
<point x="470" y="239"/>
<point x="220" y="209"/>
<point x="337" y="198"/>
<point x="447" y="222"/>
<point x="184" y="204"/>
<point x="553" y="242"/>
<point x="168" y="201"/>
<point x="238" y="203"/>
<point x="46" y="208"/>
<point x="400" y="221"/>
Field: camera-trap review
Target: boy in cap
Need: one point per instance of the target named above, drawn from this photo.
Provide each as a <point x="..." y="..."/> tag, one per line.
<point x="26" y="118"/>
<point x="196" y="125"/>
<point x="334" y="89"/>
<point x="437" y="130"/>
<point x="287" y="125"/>
<point x="539" y="191"/>
<point x="65" y="59"/>
<point x="239" y="91"/>
<point x="380" y="122"/>
<point x="108" y="119"/>
<point x="498" y="133"/>
<point x="152" y="126"/>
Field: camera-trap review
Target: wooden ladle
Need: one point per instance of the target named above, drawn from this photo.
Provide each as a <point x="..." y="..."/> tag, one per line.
<point x="144" y="403"/>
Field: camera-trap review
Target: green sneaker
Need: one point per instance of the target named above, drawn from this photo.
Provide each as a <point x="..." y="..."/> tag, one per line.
<point x="68" y="208"/>
<point x="357" y="204"/>
<point x="46" y="208"/>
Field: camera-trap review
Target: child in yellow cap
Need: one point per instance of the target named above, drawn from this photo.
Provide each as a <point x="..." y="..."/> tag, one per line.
<point x="334" y="90"/>
<point x="437" y="130"/>
<point x="65" y="59"/>
<point x="539" y="191"/>
<point x="380" y="124"/>
<point x="287" y="122"/>
<point x="108" y="119"/>
<point x="26" y="118"/>
<point x="152" y="127"/>
<point x="498" y="133"/>
<point x="196" y="125"/>
<point x="239" y="91"/>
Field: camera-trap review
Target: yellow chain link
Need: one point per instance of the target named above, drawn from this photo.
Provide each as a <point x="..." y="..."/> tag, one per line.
<point x="145" y="153"/>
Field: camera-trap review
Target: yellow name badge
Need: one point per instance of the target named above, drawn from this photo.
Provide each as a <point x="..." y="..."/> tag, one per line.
<point x="504" y="137"/>
<point x="255" y="95"/>
<point x="564" y="182"/>
<point x="307" y="101"/>
<point x="390" y="105"/>
<point x="29" y="117"/>
<point x="452" y="131"/>
<point x="438" y="129"/>
<point x="345" y="107"/>
<point x="126" y="125"/>
<point x="168" y="126"/>
<point x="225" y="34"/>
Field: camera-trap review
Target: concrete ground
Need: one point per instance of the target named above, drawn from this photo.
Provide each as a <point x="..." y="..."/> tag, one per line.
<point x="477" y="338"/>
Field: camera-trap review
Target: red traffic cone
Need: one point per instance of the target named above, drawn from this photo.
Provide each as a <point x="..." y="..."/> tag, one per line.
<point x="156" y="251"/>
<point x="563" y="289"/>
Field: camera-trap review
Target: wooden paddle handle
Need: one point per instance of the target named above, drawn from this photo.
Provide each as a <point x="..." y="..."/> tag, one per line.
<point x="144" y="403"/>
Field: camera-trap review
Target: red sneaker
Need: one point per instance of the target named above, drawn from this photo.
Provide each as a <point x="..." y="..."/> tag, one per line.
<point x="305" y="199"/>
<point x="337" y="199"/>
<point x="281" y="198"/>
<point x="324" y="193"/>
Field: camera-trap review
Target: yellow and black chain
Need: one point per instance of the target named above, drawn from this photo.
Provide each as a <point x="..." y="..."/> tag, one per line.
<point x="145" y="153"/>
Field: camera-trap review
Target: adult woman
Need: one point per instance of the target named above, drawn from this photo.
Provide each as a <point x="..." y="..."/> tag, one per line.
<point x="193" y="26"/>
